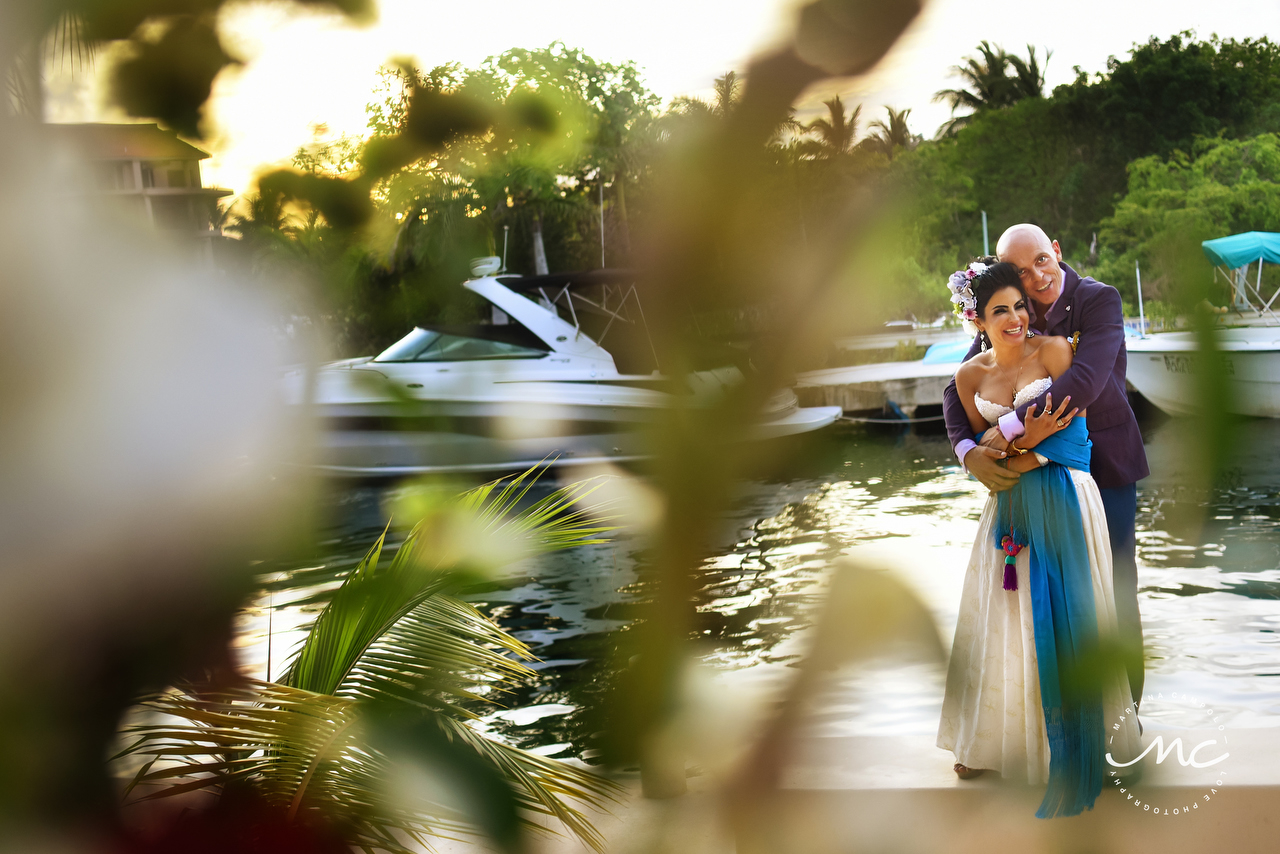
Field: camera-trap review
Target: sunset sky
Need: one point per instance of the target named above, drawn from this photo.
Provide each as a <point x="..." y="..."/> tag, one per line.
<point x="304" y="69"/>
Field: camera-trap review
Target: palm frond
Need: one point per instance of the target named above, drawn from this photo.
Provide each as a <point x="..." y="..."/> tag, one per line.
<point x="307" y="752"/>
<point x="888" y="137"/>
<point x="392" y="653"/>
<point x="544" y="786"/>
<point x="371" y="600"/>
<point x="988" y="83"/>
<point x="435" y="657"/>
<point x="549" y="524"/>
<point x="303" y="752"/>
<point x="70" y="42"/>
<point x="727" y="89"/>
<point x="362" y="609"/>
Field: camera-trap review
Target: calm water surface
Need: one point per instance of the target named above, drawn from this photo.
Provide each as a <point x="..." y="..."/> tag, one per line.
<point x="1210" y="598"/>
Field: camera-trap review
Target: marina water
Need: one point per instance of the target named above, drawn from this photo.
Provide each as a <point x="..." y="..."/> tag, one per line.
<point x="1210" y="598"/>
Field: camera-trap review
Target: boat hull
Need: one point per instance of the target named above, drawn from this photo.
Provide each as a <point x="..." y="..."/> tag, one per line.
<point x="1166" y="370"/>
<point x="454" y="436"/>
<point x="508" y="396"/>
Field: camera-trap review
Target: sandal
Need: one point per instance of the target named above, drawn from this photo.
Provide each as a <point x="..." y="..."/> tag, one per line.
<point x="966" y="773"/>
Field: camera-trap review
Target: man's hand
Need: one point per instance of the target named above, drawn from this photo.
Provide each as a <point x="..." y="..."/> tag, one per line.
<point x="982" y="464"/>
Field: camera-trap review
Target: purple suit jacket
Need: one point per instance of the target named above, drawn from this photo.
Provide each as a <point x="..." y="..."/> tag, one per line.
<point x="1094" y="381"/>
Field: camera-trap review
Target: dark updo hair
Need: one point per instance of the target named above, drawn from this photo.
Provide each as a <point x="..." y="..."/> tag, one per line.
<point x="999" y="275"/>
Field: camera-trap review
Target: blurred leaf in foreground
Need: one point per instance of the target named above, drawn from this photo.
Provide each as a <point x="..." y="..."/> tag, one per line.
<point x="381" y="681"/>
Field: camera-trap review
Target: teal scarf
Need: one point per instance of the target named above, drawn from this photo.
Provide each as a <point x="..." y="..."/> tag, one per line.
<point x="1042" y="514"/>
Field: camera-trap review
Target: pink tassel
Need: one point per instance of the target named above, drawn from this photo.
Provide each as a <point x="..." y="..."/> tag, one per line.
<point x="1011" y="550"/>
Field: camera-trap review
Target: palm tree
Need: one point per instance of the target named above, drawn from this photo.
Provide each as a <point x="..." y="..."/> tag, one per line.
<point x="1029" y="74"/>
<point x="727" y="89"/>
<point x="67" y="40"/>
<point x="989" y="83"/>
<point x="888" y="137"/>
<point x="836" y="133"/>
<point x="389" y="668"/>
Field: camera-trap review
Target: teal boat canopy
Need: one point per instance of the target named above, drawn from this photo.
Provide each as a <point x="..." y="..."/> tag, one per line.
<point x="1240" y="250"/>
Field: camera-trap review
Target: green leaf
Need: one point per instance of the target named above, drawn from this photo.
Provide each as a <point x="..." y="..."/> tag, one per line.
<point x="387" y="667"/>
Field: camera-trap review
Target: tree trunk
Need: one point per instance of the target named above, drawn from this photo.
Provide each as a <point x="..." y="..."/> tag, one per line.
<point x="539" y="251"/>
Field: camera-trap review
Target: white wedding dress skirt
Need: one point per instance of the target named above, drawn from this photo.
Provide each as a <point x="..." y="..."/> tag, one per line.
<point x="992" y="717"/>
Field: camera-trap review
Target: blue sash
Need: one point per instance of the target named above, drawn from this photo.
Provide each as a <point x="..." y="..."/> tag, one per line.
<point x="1044" y="515"/>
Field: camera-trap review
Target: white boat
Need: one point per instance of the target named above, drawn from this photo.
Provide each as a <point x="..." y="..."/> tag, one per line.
<point x="1164" y="367"/>
<point x="530" y="387"/>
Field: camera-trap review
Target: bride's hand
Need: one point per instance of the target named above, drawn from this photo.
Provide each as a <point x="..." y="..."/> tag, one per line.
<point x="1042" y="426"/>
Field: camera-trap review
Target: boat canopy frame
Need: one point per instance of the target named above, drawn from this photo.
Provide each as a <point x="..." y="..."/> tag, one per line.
<point x="617" y="290"/>
<point x="1232" y="257"/>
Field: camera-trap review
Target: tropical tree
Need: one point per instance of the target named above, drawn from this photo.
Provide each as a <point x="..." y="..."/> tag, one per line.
<point x="391" y="667"/>
<point x="1220" y="187"/>
<point x="698" y="114"/>
<point x="68" y="41"/>
<point x="889" y="137"/>
<point x="836" y="134"/>
<point x="989" y="83"/>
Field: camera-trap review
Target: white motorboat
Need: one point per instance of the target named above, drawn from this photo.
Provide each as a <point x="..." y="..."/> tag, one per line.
<point x="1163" y="368"/>
<point x="532" y="386"/>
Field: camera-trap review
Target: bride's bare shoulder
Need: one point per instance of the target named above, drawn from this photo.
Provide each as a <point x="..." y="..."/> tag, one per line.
<point x="971" y="372"/>
<point x="1054" y="352"/>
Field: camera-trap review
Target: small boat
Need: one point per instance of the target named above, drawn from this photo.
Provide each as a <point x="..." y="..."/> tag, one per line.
<point x="1163" y="368"/>
<point x="531" y="386"/>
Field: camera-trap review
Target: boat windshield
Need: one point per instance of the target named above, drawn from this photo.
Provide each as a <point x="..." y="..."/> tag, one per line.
<point x="437" y="345"/>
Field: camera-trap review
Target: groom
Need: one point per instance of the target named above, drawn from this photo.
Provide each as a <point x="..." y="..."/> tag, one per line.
<point x="1063" y="303"/>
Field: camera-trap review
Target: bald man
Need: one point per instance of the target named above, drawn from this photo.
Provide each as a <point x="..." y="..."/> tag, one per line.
<point x="1064" y="304"/>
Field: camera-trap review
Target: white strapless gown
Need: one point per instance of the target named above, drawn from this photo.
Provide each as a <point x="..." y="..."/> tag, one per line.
<point x="991" y="714"/>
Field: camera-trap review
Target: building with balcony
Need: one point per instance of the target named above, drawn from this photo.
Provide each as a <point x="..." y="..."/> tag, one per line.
<point x="141" y="171"/>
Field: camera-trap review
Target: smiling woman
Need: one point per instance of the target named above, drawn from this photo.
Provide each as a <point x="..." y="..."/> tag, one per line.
<point x="1046" y="538"/>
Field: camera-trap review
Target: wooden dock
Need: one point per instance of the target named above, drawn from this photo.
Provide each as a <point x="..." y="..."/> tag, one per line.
<point x="899" y="794"/>
<point x="863" y="388"/>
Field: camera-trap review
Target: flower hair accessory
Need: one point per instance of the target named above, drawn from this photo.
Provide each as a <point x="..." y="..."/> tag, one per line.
<point x="961" y="285"/>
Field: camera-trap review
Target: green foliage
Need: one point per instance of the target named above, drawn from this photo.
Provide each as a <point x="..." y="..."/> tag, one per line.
<point x="557" y="124"/>
<point x="892" y="134"/>
<point x="836" y="134"/>
<point x="385" y="672"/>
<point x="561" y="125"/>
<point x="1064" y="161"/>
<point x="921" y="238"/>
<point x="564" y="123"/>
<point x="1026" y="167"/>
<point x="1221" y="187"/>
<point x="1160" y="314"/>
<point x="1168" y="93"/>
<point x="990" y="85"/>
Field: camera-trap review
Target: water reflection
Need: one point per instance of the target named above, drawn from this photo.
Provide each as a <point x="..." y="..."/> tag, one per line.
<point x="1208" y="600"/>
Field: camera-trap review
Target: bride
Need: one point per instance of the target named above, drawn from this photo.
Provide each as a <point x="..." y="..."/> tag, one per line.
<point x="1038" y="593"/>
